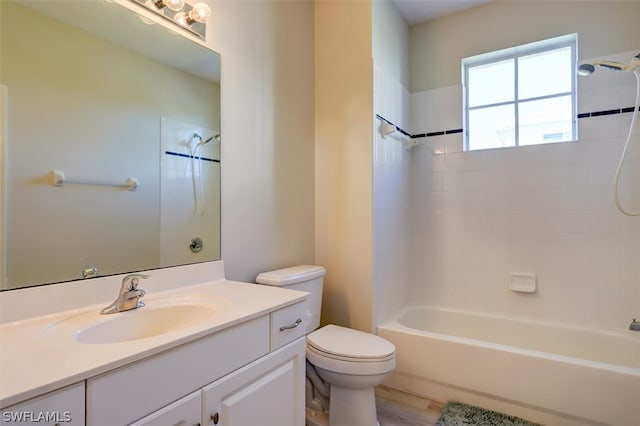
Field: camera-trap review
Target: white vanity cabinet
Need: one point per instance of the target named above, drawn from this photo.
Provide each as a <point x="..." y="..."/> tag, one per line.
<point x="268" y="392"/>
<point x="248" y="374"/>
<point x="61" y="407"/>
<point x="244" y="365"/>
<point x="126" y="394"/>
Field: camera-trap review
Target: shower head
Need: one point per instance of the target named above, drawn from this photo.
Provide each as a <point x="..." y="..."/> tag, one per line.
<point x="585" y="70"/>
<point x="588" y="69"/>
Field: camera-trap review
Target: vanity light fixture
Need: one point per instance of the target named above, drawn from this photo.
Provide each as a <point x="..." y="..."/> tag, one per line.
<point x="191" y="17"/>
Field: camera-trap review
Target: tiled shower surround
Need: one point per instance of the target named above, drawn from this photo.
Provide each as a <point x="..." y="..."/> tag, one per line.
<point x="457" y="223"/>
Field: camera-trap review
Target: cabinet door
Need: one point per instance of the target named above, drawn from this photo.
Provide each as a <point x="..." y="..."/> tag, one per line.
<point x="62" y="407"/>
<point x="267" y="392"/>
<point x="183" y="412"/>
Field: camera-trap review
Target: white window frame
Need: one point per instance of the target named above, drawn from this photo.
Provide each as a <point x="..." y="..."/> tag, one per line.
<point x="569" y="40"/>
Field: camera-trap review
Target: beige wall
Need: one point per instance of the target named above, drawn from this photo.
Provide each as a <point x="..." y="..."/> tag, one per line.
<point x="267" y="128"/>
<point x="438" y="46"/>
<point x="343" y="137"/>
<point x="3" y="232"/>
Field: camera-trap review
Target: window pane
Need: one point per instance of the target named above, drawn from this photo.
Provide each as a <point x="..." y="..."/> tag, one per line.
<point x="491" y="83"/>
<point x="545" y="121"/>
<point x="545" y="73"/>
<point x="492" y="127"/>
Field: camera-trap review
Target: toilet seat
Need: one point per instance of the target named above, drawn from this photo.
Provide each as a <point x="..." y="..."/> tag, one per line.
<point x="349" y="343"/>
<point x="320" y="352"/>
<point x="347" y="351"/>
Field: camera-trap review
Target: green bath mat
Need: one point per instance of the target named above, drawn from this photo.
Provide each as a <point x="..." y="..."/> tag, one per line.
<point x="459" y="414"/>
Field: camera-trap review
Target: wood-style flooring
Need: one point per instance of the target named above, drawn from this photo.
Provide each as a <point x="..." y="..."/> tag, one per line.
<point x="396" y="408"/>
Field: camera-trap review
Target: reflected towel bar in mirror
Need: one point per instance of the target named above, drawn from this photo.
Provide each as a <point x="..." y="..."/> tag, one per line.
<point x="59" y="179"/>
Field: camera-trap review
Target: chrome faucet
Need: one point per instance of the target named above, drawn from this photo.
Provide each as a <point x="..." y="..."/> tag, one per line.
<point x="129" y="295"/>
<point x="635" y="325"/>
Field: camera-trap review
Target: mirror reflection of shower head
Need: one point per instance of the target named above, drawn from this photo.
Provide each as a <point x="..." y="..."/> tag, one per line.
<point x="202" y="142"/>
<point x="215" y="137"/>
<point x="207" y="141"/>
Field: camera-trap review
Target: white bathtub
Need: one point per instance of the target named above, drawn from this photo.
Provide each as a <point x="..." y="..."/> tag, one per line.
<point x="545" y="372"/>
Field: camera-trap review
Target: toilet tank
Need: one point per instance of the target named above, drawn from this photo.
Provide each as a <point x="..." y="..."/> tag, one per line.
<point x="305" y="278"/>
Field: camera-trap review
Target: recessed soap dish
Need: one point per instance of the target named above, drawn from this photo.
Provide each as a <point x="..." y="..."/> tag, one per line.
<point x="522" y="283"/>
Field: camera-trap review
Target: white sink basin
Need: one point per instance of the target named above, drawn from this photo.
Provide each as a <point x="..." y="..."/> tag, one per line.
<point x="159" y="317"/>
<point x="143" y="323"/>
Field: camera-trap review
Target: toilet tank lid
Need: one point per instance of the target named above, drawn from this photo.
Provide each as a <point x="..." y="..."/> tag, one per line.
<point x="291" y="275"/>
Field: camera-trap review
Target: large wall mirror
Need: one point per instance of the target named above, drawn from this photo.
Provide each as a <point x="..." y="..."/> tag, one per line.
<point x="111" y="132"/>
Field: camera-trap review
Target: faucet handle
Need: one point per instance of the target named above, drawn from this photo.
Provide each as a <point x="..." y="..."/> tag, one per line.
<point x="130" y="282"/>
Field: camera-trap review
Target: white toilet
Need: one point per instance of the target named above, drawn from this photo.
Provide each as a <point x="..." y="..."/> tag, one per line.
<point x="343" y="365"/>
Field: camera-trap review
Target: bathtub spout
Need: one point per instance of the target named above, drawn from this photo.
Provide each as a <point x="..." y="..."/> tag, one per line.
<point x="635" y="325"/>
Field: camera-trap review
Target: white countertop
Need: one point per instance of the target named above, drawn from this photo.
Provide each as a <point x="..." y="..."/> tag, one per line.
<point x="34" y="360"/>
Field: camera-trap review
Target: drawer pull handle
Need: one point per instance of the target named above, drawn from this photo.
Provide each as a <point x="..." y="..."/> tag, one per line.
<point x="215" y="417"/>
<point x="290" y="326"/>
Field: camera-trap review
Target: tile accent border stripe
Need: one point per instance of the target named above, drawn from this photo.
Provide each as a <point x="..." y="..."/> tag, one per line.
<point x="453" y="131"/>
<point x="404" y="132"/>
<point x="419" y="135"/>
<point x="438" y="133"/>
<point x="179" y="154"/>
<point x="607" y="112"/>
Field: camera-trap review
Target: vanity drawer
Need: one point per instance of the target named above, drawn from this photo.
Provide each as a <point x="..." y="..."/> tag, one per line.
<point x="134" y="391"/>
<point x="184" y="412"/>
<point x="287" y="324"/>
<point x="64" y="406"/>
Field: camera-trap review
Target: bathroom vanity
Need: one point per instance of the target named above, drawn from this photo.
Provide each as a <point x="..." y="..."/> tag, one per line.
<point x="204" y="350"/>
<point x="216" y="352"/>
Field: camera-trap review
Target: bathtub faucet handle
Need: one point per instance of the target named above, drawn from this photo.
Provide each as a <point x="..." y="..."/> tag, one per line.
<point x="635" y="325"/>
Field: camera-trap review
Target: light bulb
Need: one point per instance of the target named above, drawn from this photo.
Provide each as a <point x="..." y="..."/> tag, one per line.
<point x="200" y="12"/>
<point x="174" y="5"/>
<point x="181" y="18"/>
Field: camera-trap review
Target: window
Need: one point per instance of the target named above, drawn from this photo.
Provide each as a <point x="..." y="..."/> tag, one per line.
<point x="521" y="96"/>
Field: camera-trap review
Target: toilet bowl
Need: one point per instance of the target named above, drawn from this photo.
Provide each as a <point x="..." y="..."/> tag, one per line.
<point x="353" y="363"/>
<point x="343" y="365"/>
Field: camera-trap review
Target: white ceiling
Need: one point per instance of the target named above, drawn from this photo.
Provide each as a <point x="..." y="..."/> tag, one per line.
<point x="416" y="11"/>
